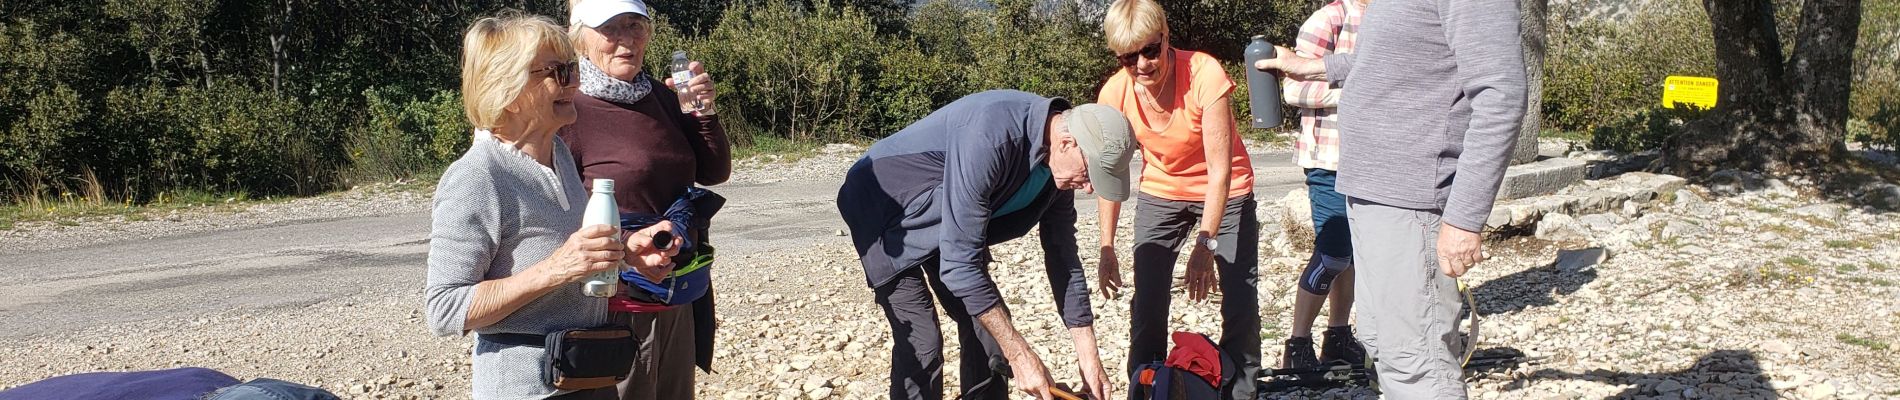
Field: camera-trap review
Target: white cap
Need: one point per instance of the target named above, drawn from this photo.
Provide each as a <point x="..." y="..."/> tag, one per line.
<point x="593" y="13"/>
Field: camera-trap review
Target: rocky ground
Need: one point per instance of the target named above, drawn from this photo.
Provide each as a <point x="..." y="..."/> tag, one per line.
<point x="1728" y="292"/>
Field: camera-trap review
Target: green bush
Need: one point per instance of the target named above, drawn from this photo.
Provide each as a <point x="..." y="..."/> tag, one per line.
<point x="810" y="85"/>
<point x="402" y="138"/>
<point x="1646" y="130"/>
<point x="1599" y="72"/>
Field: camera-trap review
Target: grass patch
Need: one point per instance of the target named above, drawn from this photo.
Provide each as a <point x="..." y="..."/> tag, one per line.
<point x="1573" y="136"/>
<point x="1846" y="268"/>
<point x="1796" y="261"/>
<point x="1869" y="343"/>
<point x="1695" y="296"/>
<point x="1848" y="244"/>
<point x="1781" y="229"/>
<point x="1877" y="266"/>
<point x="771" y="145"/>
<point x="1770" y="210"/>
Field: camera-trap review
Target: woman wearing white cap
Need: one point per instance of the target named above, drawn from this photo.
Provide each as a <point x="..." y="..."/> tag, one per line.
<point x="655" y="144"/>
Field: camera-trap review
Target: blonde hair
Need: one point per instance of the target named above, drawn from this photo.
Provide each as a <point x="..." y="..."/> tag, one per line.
<point x="497" y="53"/>
<point x="1131" y="24"/>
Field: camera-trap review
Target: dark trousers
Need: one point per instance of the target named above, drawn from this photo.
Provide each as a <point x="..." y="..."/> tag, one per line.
<point x="1161" y="227"/>
<point x="917" y="345"/>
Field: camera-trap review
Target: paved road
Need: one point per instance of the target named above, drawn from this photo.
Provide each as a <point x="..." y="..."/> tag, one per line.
<point x="309" y="261"/>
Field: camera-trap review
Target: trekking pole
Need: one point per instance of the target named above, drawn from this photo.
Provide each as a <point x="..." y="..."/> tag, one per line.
<point x="1001" y="367"/>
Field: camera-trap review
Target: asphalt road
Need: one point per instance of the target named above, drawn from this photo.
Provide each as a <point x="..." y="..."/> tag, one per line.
<point x="305" y="262"/>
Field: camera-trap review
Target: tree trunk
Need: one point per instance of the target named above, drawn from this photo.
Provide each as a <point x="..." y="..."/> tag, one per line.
<point x="1771" y="116"/>
<point x="1532" y="27"/>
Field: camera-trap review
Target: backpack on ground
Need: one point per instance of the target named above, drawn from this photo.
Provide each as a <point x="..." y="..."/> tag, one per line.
<point x="1194" y="370"/>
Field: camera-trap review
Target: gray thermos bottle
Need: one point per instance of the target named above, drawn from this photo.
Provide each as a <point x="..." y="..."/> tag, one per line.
<point x="1263" y="87"/>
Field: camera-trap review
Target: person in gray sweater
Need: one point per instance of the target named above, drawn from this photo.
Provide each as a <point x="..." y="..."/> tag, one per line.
<point x="506" y="247"/>
<point x="1432" y="103"/>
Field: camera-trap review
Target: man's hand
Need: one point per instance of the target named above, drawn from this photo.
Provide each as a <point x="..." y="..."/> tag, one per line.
<point x="1089" y="359"/>
<point x="1200" y="273"/>
<point x="1108" y="273"/>
<point x="1458" y="250"/>
<point x="1293" y="65"/>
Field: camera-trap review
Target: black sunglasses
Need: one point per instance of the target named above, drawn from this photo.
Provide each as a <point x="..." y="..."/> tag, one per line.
<point x="1152" y="51"/>
<point x="562" y="73"/>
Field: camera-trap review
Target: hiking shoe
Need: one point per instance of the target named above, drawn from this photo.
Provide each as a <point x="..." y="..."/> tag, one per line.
<point x="1298" y="354"/>
<point x="1340" y="345"/>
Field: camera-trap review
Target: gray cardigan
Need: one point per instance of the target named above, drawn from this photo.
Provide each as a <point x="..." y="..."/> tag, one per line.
<point x="1434" y="96"/>
<point x="498" y="212"/>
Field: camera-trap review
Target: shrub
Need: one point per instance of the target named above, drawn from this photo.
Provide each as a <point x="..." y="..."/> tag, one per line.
<point x="404" y="137"/>
<point x="1598" y="72"/>
<point x="1646" y="130"/>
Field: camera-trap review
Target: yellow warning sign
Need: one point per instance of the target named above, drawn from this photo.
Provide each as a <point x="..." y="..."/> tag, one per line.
<point x="1694" y="91"/>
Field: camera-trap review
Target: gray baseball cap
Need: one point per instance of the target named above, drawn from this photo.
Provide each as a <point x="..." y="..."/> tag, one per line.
<point x="1107" y="143"/>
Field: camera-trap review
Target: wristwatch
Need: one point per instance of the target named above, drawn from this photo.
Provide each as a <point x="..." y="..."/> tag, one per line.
<point x="1209" y="242"/>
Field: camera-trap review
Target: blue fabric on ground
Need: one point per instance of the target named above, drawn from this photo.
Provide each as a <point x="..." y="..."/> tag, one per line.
<point x="171" y="384"/>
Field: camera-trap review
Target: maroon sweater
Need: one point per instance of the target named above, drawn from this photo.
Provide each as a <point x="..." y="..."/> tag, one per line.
<point x="652" y="151"/>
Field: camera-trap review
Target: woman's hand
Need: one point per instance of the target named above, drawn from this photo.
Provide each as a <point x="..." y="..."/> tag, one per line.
<point x="593" y="249"/>
<point x="1109" y="272"/>
<point x="652" y="262"/>
<point x="699" y="94"/>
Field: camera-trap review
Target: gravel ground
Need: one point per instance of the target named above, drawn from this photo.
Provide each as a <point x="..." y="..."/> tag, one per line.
<point x="1766" y="294"/>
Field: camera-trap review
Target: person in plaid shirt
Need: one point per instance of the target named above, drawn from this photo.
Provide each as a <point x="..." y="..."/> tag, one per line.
<point x="1328" y="274"/>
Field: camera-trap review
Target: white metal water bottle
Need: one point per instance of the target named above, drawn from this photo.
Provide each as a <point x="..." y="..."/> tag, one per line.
<point x="602" y="210"/>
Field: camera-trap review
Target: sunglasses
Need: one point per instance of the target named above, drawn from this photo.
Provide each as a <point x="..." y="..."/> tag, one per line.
<point x="562" y="73"/>
<point x="1152" y="51"/>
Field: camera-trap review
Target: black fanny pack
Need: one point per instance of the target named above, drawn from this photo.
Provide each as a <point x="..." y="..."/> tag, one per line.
<point x="579" y="359"/>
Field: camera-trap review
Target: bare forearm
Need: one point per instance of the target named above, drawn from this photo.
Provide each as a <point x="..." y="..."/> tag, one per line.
<point x="1085" y="347"/>
<point x="1110" y="215"/>
<point x="1218" y="141"/>
<point x="996" y="320"/>
<point x="498" y="298"/>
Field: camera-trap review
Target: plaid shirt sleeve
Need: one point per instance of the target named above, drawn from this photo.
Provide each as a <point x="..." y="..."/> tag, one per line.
<point x="1317" y="39"/>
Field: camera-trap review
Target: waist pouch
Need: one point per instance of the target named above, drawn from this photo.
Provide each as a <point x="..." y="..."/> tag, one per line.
<point x="687" y="283"/>
<point x="579" y="359"/>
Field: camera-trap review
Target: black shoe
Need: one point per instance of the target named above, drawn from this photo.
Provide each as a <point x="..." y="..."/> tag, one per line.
<point x="1341" y="346"/>
<point x="1298" y="354"/>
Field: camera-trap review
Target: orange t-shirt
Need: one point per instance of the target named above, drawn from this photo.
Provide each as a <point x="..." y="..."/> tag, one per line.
<point x="1174" y="157"/>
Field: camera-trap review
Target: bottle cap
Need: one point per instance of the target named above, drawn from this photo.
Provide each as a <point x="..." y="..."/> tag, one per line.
<point x="602" y="185"/>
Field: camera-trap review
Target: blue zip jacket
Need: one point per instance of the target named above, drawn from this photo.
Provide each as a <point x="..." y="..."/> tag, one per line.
<point x="934" y="190"/>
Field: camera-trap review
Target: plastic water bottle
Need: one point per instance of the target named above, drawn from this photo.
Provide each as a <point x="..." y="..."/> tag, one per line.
<point x="1263" y="87"/>
<point x="602" y="210"/>
<point x="683" y="75"/>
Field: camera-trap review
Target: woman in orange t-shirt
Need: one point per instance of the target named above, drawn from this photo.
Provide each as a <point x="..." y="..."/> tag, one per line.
<point x="1197" y="183"/>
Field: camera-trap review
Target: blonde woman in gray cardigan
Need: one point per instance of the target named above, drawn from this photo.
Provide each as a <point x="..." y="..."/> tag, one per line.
<point x="506" y="248"/>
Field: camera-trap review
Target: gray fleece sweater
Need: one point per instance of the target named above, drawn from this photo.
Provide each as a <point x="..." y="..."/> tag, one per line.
<point x="1433" y="100"/>
<point x="498" y="212"/>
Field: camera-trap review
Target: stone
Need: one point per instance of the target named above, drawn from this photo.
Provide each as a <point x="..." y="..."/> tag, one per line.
<point x="1881" y="196"/>
<point x="1820" y="391"/>
<point x="1601" y="222"/>
<point x="1687" y="197"/>
<point x="1541" y="177"/>
<point x="1730" y="182"/>
<point x="1675" y="229"/>
<point x="1574" y="261"/>
<point x="1669" y="386"/>
<point x="1561" y="228"/>
<point x="1824" y="211"/>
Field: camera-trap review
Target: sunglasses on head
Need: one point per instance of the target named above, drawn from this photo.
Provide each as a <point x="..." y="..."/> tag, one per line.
<point x="1152" y="51"/>
<point x="563" y="73"/>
